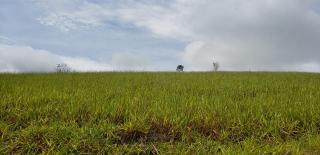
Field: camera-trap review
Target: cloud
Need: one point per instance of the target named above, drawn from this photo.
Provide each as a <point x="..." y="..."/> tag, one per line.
<point x="241" y="35"/>
<point x="130" y="61"/>
<point x="85" y="64"/>
<point x="257" y="35"/>
<point x="73" y="14"/>
<point x="82" y="14"/>
<point x="18" y="58"/>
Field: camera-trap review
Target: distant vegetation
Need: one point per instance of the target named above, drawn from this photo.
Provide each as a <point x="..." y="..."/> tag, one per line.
<point x="160" y="113"/>
<point x="180" y="68"/>
<point x="62" y="68"/>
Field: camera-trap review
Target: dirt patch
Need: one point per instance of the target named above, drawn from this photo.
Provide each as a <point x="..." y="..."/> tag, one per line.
<point x="118" y="119"/>
<point x="39" y="141"/>
<point x="158" y="132"/>
<point x="131" y="136"/>
<point x="286" y="134"/>
<point x="82" y="117"/>
<point x="235" y="135"/>
<point x="310" y="152"/>
<point x="205" y="129"/>
<point x="164" y="132"/>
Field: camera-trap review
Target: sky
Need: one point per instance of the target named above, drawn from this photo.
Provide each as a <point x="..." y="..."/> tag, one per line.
<point x="158" y="35"/>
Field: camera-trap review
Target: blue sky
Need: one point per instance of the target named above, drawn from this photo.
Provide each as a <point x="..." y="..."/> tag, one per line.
<point x="103" y="35"/>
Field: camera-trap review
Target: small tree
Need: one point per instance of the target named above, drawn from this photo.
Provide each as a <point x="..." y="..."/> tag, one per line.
<point x="215" y="66"/>
<point x="180" y="68"/>
<point x="62" y="68"/>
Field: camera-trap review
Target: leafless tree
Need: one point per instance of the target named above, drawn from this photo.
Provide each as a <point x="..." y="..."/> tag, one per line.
<point x="62" y="68"/>
<point x="215" y="66"/>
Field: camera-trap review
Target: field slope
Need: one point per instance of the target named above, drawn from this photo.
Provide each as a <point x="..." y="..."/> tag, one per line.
<point x="160" y="113"/>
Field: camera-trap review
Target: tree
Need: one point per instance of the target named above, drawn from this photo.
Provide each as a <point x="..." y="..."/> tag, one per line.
<point x="180" y="68"/>
<point x="215" y="66"/>
<point x="62" y="68"/>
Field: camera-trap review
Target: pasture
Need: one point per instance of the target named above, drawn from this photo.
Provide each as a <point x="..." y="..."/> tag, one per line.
<point x="160" y="113"/>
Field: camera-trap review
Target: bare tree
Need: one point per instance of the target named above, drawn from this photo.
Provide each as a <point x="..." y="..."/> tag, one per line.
<point x="215" y="66"/>
<point x="180" y="68"/>
<point x="62" y="68"/>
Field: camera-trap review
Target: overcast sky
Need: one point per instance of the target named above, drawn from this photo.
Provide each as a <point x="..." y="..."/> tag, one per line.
<point x="104" y="35"/>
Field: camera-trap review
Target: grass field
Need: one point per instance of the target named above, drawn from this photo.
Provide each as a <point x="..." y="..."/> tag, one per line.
<point x="160" y="113"/>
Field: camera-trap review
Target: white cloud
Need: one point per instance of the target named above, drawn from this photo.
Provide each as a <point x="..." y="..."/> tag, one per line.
<point x="73" y="14"/>
<point x="256" y="35"/>
<point x="16" y="58"/>
<point x="130" y="61"/>
<point x="26" y="59"/>
<point x="241" y="35"/>
<point x="85" y="64"/>
<point x="83" y="14"/>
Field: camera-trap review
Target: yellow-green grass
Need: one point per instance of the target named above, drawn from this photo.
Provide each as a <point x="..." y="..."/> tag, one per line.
<point x="160" y="113"/>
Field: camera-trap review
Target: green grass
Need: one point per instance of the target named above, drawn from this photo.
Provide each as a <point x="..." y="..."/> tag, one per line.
<point x="160" y="113"/>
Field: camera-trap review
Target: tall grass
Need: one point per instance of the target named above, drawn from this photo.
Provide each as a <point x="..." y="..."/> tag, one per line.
<point x="160" y="113"/>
